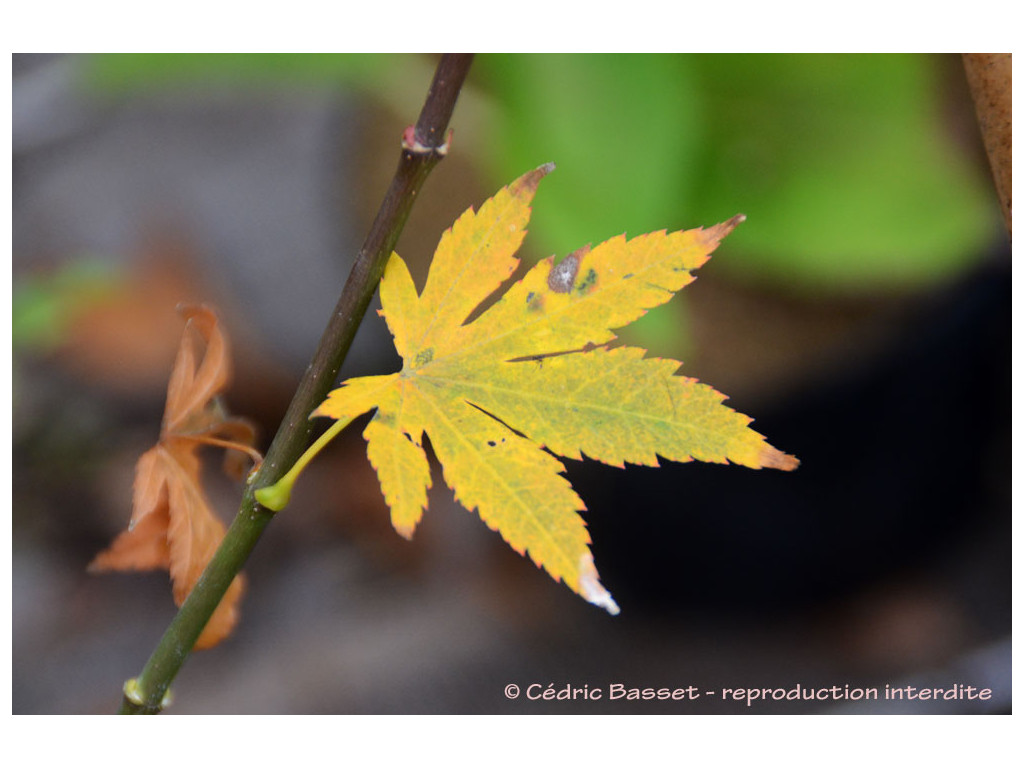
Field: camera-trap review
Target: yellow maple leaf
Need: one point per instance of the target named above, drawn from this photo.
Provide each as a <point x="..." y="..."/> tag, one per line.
<point x="534" y="376"/>
<point x="173" y="525"/>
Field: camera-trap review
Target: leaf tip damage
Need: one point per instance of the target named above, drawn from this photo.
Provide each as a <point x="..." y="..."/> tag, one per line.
<point x="527" y="183"/>
<point x="714" y="235"/>
<point x="404" y="530"/>
<point x="591" y="588"/>
<point x="773" y="458"/>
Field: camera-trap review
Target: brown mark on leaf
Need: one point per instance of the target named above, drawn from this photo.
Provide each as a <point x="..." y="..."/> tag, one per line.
<point x="528" y="183"/>
<point x="563" y="274"/>
<point x="773" y="458"/>
<point x="718" y="231"/>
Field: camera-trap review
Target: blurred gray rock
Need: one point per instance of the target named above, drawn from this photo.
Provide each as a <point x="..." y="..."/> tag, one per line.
<point x="256" y="181"/>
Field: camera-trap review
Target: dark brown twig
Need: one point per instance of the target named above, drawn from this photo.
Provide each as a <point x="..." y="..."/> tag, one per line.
<point x="422" y="149"/>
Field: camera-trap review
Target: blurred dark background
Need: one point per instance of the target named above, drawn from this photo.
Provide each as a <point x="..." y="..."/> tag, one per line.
<point x="861" y="315"/>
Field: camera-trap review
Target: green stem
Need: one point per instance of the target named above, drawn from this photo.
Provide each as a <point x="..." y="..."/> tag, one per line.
<point x="423" y="147"/>
<point x="275" y="497"/>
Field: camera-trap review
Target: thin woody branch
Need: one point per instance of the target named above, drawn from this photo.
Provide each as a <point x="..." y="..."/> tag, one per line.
<point x="146" y="693"/>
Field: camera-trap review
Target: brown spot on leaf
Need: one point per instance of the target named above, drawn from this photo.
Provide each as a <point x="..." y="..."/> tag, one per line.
<point x="563" y="274"/>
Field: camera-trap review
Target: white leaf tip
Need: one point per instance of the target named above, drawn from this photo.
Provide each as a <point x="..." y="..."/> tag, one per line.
<point x="591" y="588"/>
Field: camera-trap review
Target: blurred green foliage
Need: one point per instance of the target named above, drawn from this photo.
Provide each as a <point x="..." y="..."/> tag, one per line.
<point x="44" y="305"/>
<point x="128" y="72"/>
<point x="621" y="130"/>
<point x="844" y="165"/>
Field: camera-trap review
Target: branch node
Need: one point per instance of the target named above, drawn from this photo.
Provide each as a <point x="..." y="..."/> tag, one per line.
<point x="411" y="144"/>
<point x="132" y="692"/>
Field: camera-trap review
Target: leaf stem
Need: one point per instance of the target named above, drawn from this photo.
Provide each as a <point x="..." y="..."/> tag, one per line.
<point x="423" y="147"/>
<point x="231" y="445"/>
<point x="275" y="497"/>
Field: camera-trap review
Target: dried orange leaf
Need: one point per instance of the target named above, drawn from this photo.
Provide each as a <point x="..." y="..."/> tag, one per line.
<point x="173" y="525"/>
